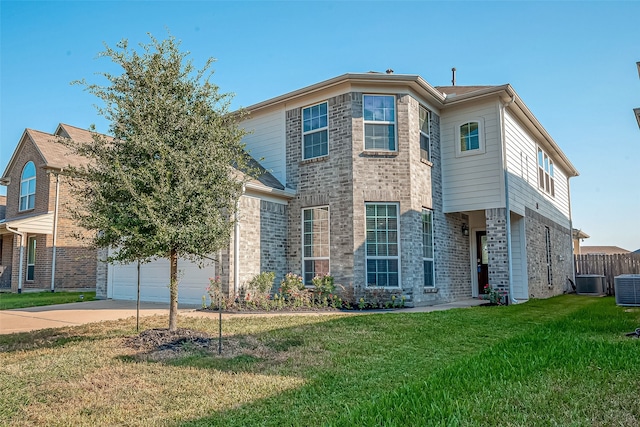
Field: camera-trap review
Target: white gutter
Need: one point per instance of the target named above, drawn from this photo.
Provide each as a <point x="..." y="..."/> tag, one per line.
<point x="506" y="195"/>
<point x="21" y="234"/>
<point x="55" y="233"/>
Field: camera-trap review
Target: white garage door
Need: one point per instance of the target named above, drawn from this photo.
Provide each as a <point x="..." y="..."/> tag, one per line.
<point x="154" y="281"/>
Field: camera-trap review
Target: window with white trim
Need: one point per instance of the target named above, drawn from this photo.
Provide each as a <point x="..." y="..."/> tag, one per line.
<point x="28" y="187"/>
<point x="425" y="139"/>
<point x="546" y="180"/>
<point x="315" y="131"/>
<point x="31" y="257"/>
<point x="547" y="238"/>
<point x="315" y="242"/>
<point x="469" y="136"/>
<point x="379" y="122"/>
<point x="382" y="245"/>
<point x="427" y="248"/>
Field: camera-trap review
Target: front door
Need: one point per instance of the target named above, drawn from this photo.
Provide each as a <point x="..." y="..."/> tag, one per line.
<point x="482" y="260"/>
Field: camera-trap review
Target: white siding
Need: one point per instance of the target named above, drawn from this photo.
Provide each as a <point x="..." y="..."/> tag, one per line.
<point x="266" y="142"/>
<point x="519" y="259"/>
<point x="471" y="182"/>
<point x="522" y="166"/>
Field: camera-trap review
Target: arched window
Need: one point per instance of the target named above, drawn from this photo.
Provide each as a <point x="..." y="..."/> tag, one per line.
<point x="28" y="187"/>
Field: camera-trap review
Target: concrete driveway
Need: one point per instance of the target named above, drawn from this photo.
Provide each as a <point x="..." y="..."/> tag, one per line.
<point x="77" y="313"/>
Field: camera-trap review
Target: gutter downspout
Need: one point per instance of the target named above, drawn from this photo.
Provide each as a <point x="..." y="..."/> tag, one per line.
<point x="55" y="233"/>
<point x="21" y="234"/>
<point x="506" y="195"/>
<point x="236" y="246"/>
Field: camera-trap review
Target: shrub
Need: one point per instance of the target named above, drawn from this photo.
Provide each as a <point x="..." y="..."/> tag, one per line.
<point x="291" y="285"/>
<point x="262" y="282"/>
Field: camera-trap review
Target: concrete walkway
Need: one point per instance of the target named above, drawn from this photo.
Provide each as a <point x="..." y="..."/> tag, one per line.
<point x="79" y="313"/>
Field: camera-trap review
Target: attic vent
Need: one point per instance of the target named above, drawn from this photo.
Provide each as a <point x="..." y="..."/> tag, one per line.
<point x="389" y="71"/>
<point x="627" y="288"/>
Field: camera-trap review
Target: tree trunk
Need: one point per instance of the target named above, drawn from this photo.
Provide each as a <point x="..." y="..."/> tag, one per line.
<point x="173" y="291"/>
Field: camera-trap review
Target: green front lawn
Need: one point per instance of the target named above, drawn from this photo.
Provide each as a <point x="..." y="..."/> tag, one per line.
<point x="37" y="299"/>
<point x="563" y="361"/>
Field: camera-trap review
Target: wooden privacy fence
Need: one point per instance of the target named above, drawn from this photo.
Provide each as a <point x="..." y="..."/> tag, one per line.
<point x="609" y="266"/>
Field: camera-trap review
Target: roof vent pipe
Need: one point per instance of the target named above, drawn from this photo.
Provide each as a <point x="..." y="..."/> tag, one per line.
<point x="453" y="76"/>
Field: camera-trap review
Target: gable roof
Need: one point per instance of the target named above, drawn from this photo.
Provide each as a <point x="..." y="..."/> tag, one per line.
<point x="442" y="96"/>
<point x="602" y="250"/>
<point x="54" y="154"/>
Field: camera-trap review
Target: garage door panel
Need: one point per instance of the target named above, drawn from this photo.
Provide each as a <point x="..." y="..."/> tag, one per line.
<point x="154" y="281"/>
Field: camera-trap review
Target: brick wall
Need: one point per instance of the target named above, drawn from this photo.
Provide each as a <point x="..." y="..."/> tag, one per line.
<point x="75" y="259"/>
<point x="561" y="255"/>
<point x="497" y="248"/>
<point x="349" y="177"/>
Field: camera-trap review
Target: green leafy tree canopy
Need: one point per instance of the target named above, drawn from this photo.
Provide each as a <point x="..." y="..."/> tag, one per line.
<point x="167" y="183"/>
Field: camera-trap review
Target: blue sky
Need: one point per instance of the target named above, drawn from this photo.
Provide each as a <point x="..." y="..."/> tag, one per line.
<point x="573" y="64"/>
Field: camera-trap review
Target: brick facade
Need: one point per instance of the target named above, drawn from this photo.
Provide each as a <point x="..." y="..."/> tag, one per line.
<point x="349" y="177"/>
<point x="561" y="259"/>
<point x="75" y="260"/>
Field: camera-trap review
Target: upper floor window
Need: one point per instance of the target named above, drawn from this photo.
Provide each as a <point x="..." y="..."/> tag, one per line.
<point x="470" y="136"/>
<point x="379" y="122"/>
<point x="545" y="173"/>
<point x="315" y="140"/>
<point x="28" y="187"/>
<point x="425" y="128"/>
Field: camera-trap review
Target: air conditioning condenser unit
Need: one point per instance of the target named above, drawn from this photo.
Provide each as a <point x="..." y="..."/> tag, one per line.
<point x="627" y="288"/>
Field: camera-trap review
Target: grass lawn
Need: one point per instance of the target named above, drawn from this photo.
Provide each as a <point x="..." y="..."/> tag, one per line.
<point x="563" y="361"/>
<point x="37" y="299"/>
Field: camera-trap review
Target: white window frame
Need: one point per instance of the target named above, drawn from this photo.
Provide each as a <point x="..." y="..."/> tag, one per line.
<point x="31" y="258"/>
<point x="312" y="131"/>
<point x="481" y="142"/>
<point x="425" y="255"/>
<point x="546" y="178"/>
<point x="426" y="134"/>
<point x="303" y="241"/>
<point x="381" y="122"/>
<point x="383" y="257"/>
<point x="28" y="194"/>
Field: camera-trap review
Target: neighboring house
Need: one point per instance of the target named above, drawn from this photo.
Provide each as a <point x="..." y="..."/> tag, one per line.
<point x="602" y="250"/>
<point x="38" y="248"/>
<point x="396" y="187"/>
<point x="578" y="237"/>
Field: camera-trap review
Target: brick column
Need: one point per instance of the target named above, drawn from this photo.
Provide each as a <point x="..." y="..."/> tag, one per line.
<point x="497" y="248"/>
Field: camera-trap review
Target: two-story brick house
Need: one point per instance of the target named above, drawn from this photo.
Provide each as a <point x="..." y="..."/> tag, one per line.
<point x="39" y="247"/>
<point x="394" y="186"/>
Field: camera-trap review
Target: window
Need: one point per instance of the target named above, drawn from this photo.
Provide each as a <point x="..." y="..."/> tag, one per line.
<point x="31" y="257"/>
<point x="427" y="247"/>
<point x="470" y="136"/>
<point x="315" y="131"/>
<point x="382" y="254"/>
<point x="545" y="173"/>
<point x="315" y="242"/>
<point x="28" y="187"/>
<point x="547" y="237"/>
<point x="425" y="146"/>
<point x="379" y="122"/>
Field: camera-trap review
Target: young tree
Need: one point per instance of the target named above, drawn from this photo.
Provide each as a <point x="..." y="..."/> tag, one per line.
<point x="167" y="184"/>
